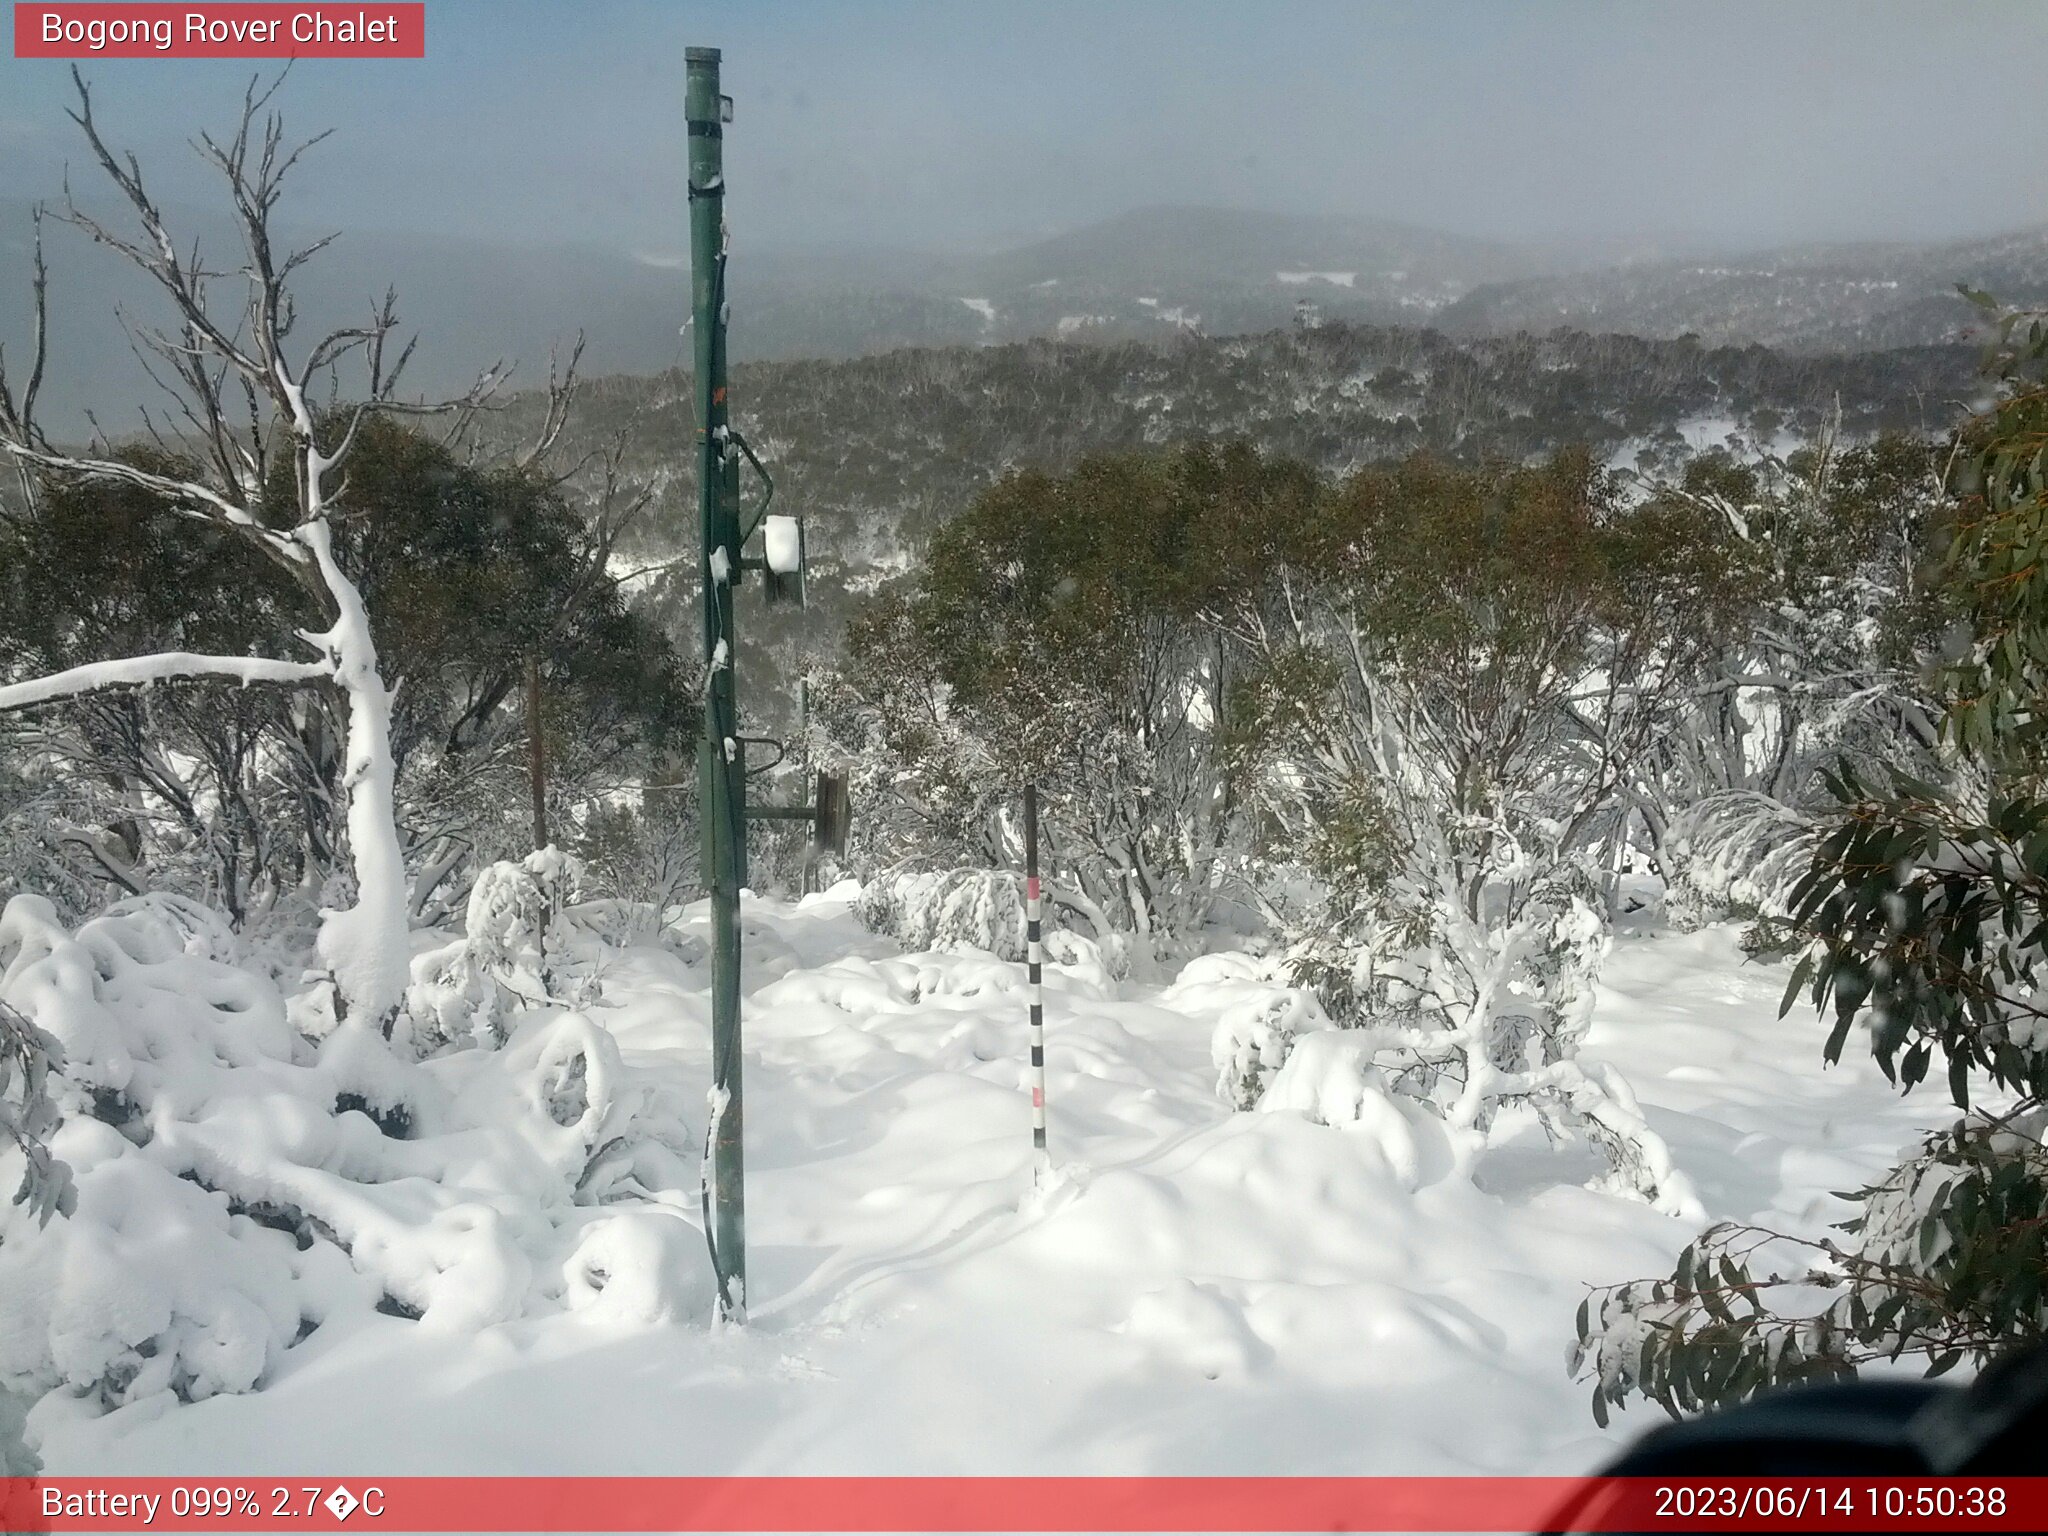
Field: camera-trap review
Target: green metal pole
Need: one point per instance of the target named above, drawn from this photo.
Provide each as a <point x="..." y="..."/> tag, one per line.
<point x="720" y="776"/>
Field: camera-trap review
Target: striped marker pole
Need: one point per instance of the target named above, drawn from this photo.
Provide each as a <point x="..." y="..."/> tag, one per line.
<point x="1034" y="960"/>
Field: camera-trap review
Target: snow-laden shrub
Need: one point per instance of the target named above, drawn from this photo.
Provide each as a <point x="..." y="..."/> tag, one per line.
<point x="1921" y="907"/>
<point x="980" y="909"/>
<point x="949" y="909"/>
<point x="645" y="860"/>
<point x="240" y="1184"/>
<point x="1257" y="1020"/>
<point x="511" y="956"/>
<point x="1329" y="1077"/>
<point x="1736" y="854"/>
<point x="1473" y="1013"/>
<point x="1275" y="1050"/>
<point x="48" y="830"/>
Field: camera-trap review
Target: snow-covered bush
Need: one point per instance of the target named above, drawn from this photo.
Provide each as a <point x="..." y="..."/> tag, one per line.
<point x="1822" y="555"/>
<point x="240" y="1183"/>
<point x="948" y="909"/>
<point x="979" y="909"/>
<point x="1922" y="907"/>
<point x="1257" y="1020"/>
<point x="1329" y="1078"/>
<point x="511" y="956"/>
<point x="1056" y="634"/>
<point x="647" y="859"/>
<point x="1449" y="675"/>
<point x="1734" y="854"/>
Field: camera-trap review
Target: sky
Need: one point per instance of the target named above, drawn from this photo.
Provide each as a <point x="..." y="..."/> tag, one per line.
<point x="971" y="126"/>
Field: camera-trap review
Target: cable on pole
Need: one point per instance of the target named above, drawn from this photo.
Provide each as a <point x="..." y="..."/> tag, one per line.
<point x="1034" y="963"/>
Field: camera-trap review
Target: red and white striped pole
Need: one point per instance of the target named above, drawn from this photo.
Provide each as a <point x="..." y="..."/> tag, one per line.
<point x="1034" y="961"/>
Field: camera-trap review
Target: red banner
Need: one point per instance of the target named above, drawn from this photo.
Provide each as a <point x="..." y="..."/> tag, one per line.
<point x="1004" y="1504"/>
<point x="220" y="31"/>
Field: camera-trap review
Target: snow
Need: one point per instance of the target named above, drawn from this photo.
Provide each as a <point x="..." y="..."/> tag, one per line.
<point x="1308" y="1288"/>
<point x="983" y="307"/>
<point x="1335" y="279"/>
<point x="783" y="539"/>
<point x="164" y="666"/>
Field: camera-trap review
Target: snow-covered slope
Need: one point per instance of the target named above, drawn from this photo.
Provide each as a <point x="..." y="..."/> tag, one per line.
<point x="1841" y="298"/>
<point x="1201" y="1292"/>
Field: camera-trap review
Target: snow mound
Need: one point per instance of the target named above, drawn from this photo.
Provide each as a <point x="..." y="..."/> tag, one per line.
<point x="1197" y="1326"/>
<point x="1257" y="1019"/>
<point x="1329" y="1078"/>
<point x="240" y="1185"/>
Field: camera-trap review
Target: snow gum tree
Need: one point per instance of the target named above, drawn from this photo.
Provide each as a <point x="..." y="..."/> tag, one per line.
<point x="230" y="794"/>
<point x="1925" y="913"/>
<point x="1825" y="553"/>
<point x="242" y="394"/>
<point x="1057" y="633"/>
<point x="1450" y="675"/>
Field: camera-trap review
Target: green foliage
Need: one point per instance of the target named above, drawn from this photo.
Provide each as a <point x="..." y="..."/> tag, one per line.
<point x="28" y="1115"/>
<point x="1945" y="1263"/>
<point x="1059" y="632"/>
<point x="1929" y="917"/>
<point x="1050" y="590"/>
<point x="466" y="570"/>
<point x="1925" y="908"/>
<point x="1997" y="561"/>
<point x="104" y="570"/>
<point x="1516" y="628"/>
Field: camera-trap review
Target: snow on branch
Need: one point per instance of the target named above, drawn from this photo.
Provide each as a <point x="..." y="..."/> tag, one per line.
<point x="243" y="409"/>
<point x="164" y="667"/>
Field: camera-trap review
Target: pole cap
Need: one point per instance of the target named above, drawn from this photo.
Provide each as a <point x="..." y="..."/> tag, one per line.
<point x="701" y="55"/>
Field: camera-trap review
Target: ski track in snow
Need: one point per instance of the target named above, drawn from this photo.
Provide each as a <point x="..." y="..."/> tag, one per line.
<point x="1201" y="1292"/>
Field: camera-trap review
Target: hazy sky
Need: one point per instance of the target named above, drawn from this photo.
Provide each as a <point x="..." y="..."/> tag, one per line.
<point x="971" y="123"/>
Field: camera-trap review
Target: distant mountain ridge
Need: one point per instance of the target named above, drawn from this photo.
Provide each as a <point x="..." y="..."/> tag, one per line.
<point x="1823" y="298"/>
<point x="1140" y="276"/>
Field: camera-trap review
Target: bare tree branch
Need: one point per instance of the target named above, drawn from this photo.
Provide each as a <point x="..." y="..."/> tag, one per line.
<point x="561" y="394"/>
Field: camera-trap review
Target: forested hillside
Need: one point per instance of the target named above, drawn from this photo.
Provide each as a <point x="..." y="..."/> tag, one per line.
<point x="879" y="451"/>
<point x="1823" y="298"/>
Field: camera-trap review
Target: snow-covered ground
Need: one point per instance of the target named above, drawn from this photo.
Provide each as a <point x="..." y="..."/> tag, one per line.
<point x="1201" y="1292"/>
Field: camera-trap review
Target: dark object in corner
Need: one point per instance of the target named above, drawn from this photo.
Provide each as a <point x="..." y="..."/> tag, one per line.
<point x="1995" y="1427"/>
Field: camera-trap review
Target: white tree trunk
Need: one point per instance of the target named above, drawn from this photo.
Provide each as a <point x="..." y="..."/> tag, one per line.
<point x="365" y="945"/>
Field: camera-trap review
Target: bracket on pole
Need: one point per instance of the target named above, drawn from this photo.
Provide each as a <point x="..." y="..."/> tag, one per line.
<point x="830" y="813"/>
